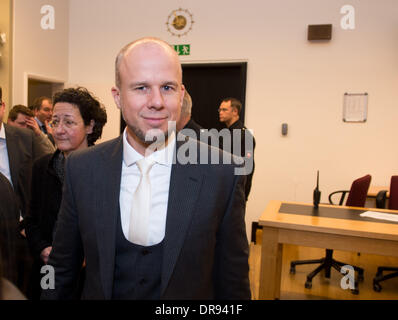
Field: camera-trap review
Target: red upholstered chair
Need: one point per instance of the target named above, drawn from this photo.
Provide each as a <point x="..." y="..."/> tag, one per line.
<point x="356" y="195"/>
<point x="393" y="205"/>
<point x="356" y="198"/>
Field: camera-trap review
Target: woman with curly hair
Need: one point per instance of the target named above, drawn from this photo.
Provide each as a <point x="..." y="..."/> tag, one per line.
<point x="77" y="122"/>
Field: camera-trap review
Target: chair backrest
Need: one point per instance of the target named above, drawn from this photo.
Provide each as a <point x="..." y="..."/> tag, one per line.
<point x="393" y="201"/>
<point x="358" y="192"/>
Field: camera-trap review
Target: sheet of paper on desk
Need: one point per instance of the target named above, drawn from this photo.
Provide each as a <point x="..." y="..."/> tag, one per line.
<point x="380" y="215"/>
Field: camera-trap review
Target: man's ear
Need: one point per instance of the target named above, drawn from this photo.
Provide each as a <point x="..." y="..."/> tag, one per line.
<point x="182" y="94"/>
<point x="116" y="96"/>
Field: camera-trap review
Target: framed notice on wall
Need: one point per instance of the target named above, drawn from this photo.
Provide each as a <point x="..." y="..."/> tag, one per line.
<point x="355" y="107"/>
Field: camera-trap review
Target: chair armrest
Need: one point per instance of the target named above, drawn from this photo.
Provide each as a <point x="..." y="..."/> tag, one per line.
<point x="343" y="193"/>
<point x="381" y="199"/>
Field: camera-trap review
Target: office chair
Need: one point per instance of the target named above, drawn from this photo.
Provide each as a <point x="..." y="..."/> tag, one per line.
<point x="393" y="205"/>
<point x="356" y="198"/>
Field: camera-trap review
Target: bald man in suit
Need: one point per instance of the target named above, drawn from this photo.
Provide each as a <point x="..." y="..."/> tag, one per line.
<point x="195" y="246"/>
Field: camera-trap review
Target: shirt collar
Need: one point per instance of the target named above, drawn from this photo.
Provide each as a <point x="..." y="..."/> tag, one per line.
<point x="39" y="122"/>
<point x="162" y="156"/>
<point x="2" y="132"/>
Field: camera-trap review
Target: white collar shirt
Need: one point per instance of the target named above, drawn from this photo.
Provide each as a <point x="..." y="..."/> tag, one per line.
<point x="159" y="176"/>
<point x="39" y="122"/>
<point x="4" y="161"/>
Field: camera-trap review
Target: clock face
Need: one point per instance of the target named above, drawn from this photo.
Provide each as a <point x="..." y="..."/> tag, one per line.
<point x="179" y="22"/>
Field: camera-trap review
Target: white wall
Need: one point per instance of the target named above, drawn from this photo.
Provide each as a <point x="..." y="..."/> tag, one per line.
<point x="39" y="52"/>
<point x="5" y="52"/>
<point x="289" y="80"/>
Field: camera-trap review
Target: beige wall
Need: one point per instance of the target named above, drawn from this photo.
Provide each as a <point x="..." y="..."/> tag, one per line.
<point x="6" y="56"/>
<point x="38" y="52"/>
<point x="289" y="80"/>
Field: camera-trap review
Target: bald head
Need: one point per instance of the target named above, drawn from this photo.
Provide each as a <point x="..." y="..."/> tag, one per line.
<point x="148" y="91"/>
<point x="140" y="44"/>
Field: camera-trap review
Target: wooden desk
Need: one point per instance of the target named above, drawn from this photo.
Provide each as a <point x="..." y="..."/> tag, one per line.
<point x="321" y="232"/>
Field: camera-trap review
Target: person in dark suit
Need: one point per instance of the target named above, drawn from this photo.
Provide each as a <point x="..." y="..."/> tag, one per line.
<point x="19" y="148"/>
<point x="9" y="214"/>
<point x="229" y="111"/>
<point x="191" y="243"/>
<point x="83" y="118"/>
<point x="8" y="234"/>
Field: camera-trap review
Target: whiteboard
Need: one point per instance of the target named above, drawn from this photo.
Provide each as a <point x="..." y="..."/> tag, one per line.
<point x="355" y="107"/>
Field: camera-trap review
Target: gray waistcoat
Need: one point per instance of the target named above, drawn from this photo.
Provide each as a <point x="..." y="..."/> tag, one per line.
<point x="137" y="269"/>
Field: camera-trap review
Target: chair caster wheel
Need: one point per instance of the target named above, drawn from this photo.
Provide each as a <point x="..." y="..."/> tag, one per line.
<point x="376" y="287"/>
<point x="308" y="284"/>
<point x="292" y="270"/>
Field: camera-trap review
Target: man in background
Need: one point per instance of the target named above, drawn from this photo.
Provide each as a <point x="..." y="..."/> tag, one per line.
<point x="19" y="148"/>
<point x="229" y="111"/>
<point x="185" y="121"/>
<point x="22" y="117"/>
<point x="43" y="110"/>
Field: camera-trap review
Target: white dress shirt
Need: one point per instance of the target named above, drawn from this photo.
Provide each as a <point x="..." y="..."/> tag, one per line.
<point x="159" y="176"/>
<point x="4" y="162"/>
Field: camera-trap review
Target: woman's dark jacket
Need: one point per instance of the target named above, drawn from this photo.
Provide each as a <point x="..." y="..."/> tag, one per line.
<point x="45" y="203"/>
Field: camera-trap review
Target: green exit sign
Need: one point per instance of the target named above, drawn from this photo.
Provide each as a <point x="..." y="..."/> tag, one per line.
<point x="183" y="49"/>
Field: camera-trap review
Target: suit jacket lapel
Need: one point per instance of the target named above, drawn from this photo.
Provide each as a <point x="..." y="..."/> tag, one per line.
<point x="107" y="209"/>
<point x="185" y="184"/>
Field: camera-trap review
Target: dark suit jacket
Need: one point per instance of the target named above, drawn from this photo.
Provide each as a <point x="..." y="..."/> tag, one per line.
<point x="44" y="206"/>
<point x="205" y="249"/>
<point x="8" y="230"/>
<point x="23" y="149"/>
<point x="191" y="124"/>
<point x="205" y="137"/>
<point x="244" y="151"/>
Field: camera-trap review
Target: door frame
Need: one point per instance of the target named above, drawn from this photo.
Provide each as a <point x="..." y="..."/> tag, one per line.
<point x="27" y="76"/>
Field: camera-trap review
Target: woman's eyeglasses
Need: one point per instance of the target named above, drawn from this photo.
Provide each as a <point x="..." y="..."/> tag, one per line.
<point x="66" y="122"/>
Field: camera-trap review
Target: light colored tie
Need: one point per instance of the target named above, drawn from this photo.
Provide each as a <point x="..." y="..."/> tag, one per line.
<point x="141" y="206"/>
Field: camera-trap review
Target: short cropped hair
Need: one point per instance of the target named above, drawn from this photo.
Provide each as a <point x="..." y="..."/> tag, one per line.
<point x="17" y="109"/>
<point x="38" y="102"/>
<point x="235" y="103"/>
<point x="122" y="52"/>
<point x="90" y="109"/>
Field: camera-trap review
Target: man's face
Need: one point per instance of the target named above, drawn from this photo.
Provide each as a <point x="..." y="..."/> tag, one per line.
<point x="20" y="121"/>
<point x="150" y="92"/>
<point x="226" y="112"/>
<point x="45" y="112"/>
